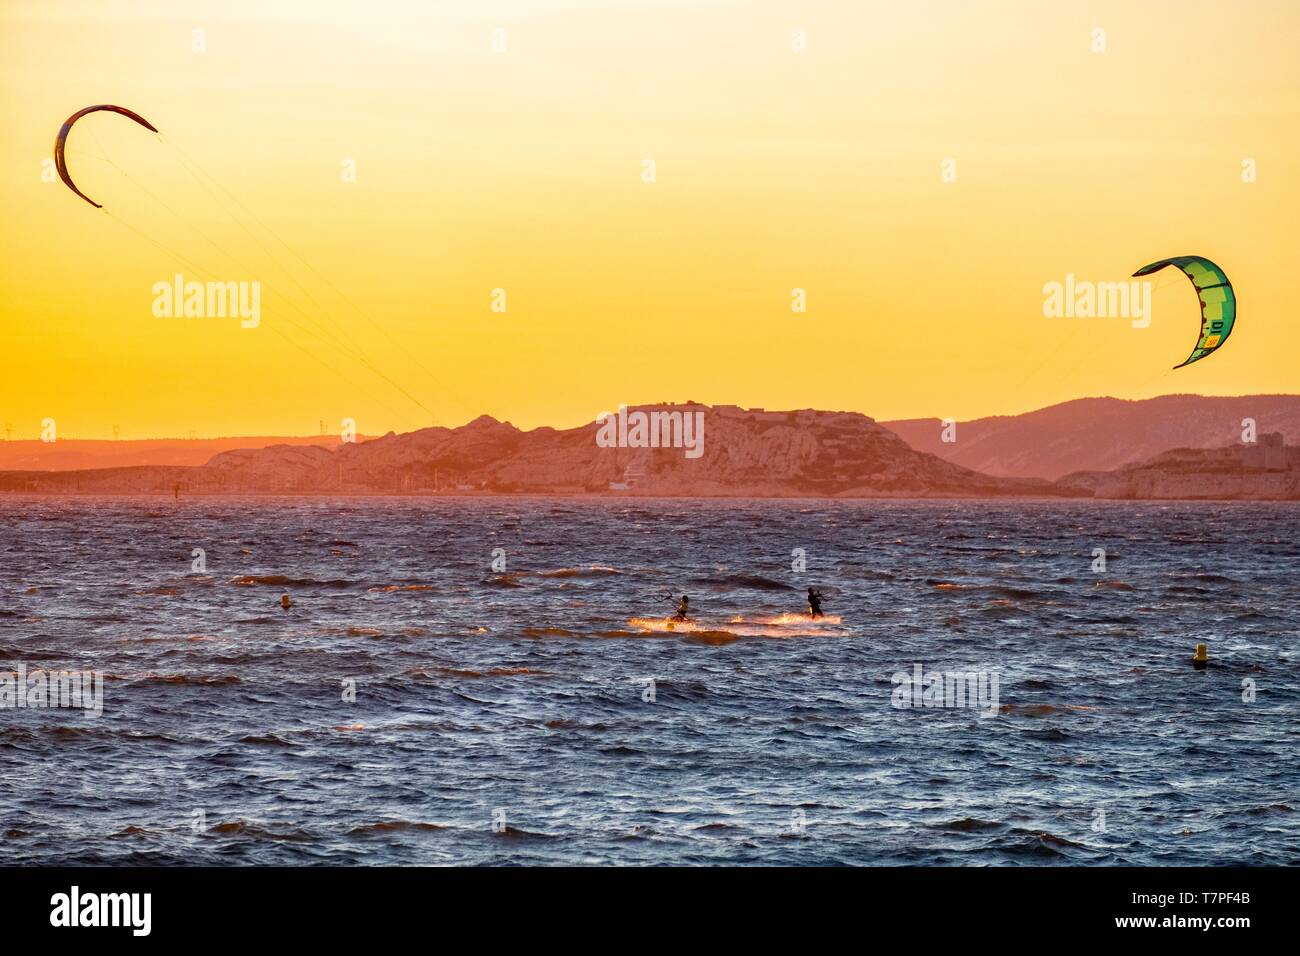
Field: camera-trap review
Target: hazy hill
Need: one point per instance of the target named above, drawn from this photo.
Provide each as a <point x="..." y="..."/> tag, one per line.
<point x="1096" y="434"/>
<point x="77" y="453"/>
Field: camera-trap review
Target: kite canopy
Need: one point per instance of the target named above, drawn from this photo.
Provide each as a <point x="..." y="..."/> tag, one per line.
<point x="61" y="165"/>
<point x="1218" y="301"/>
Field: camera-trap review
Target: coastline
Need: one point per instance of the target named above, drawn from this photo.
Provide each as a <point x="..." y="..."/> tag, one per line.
<point x="597" y="496"/>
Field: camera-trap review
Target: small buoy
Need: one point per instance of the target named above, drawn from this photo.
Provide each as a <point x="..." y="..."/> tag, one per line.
<point x="1201" y="659"/>
<point x="285" y="603"/>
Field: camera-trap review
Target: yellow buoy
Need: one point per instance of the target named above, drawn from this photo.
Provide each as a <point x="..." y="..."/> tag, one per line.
<point x="1201" y="658"/>
<point x="285" y="602"/>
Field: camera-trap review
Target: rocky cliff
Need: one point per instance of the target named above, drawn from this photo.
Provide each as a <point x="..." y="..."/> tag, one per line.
<point x="1267" y="470"/>
<point x="744" y="453"/>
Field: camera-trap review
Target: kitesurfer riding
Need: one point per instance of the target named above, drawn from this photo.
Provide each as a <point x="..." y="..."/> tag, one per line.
<point x="814" y="603"/>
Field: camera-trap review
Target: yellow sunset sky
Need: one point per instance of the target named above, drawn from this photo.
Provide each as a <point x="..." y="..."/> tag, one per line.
<point x="522" y="170"/>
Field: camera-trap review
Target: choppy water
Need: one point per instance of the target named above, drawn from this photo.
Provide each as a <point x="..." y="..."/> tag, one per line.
<point x="502" y="717"/>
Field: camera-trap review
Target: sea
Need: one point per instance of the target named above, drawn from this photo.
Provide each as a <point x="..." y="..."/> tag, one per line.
<point x="494" y="680"/>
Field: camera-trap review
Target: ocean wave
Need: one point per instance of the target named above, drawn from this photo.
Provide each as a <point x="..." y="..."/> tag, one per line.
<point x="774" y="626"/>
<point x="257" y="831"/>
<point x="196" y="679"/>
<point x="782" y="620"/>
<point x="395" y="826"/>
<point x="1014" y="594"/>
<point x="751" y="581"/>
<point x="166" y="639"/>
<point x="712" y="637"/>
<point x="967" y="825"/>
<point x="1043" y="710"/>
<point x="514" y="833"/>
<point x="590" y="571"/>
<point x="1036" y="844"/>
<point x="283" y="581"/>
<point x="546" y="632"/>
<point x="266" y="740"/>
<point x="467" y="672"/>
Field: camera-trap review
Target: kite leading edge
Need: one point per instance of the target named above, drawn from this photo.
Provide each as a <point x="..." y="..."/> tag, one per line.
<point x="60" y="141"/>
<point x="1218" y="301"/>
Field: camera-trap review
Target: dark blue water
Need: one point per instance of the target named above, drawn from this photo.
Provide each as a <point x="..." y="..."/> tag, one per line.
<point x="506" y="717"/>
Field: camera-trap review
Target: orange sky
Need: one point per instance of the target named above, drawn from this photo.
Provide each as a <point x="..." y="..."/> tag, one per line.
<point x="522" y="170"/>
